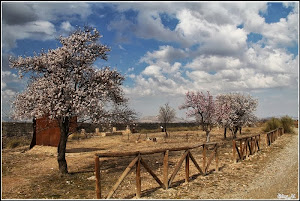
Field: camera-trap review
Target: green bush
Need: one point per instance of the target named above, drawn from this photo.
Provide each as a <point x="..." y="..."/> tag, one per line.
<point x="272" y="124"/>
<point x="287" y="124"/>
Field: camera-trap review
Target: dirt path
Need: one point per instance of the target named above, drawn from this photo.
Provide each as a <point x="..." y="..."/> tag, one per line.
<point x="279" y="175"/>
<point x="272" y="171"/>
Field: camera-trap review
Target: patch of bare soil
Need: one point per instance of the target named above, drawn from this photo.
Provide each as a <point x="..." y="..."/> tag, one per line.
<point x="33" y="174"/>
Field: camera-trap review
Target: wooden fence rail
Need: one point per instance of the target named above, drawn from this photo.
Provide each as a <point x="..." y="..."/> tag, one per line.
<point x="273" y="135"/>
<point x="242" y="148"/>
<point x="247" y="146"/>
<point x="166" y="182"/>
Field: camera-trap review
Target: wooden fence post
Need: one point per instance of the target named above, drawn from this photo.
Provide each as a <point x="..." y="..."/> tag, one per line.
<point x="241" y="150"/>
<point x="138" y="177"/>
<point x="187" y="168"/>
<point x="98" y="182"/>
<point x="204" y="159"/>
<point x="233" y="151"/>
<point x="246" y="148"/>
<point x="255" y="143"/>
<point x="165" y="169"/>
<point x="259" y="142"/>
<point x="217" y="158"/>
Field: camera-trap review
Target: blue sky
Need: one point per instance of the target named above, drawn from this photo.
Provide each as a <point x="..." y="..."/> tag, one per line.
<point x="168" y="48"/>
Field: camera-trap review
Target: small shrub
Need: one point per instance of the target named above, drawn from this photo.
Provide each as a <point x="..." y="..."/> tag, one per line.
<point x="287" y="124"/>
<point x="272" y="124"/>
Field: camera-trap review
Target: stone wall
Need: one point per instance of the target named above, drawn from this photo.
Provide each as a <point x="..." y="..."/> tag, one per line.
<point x="17" y="129"/>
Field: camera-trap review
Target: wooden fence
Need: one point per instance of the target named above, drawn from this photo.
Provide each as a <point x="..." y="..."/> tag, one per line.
<point x="273" y="135"/>
<point x="243" y="147"/>
<point x="166" y="182"/>
<point x="247" y="146"/>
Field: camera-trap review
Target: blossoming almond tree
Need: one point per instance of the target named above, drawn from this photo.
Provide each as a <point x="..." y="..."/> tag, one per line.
<point x="206" y="111"/>
<point x="241" y="113"/>
<point x="64" y="83"/>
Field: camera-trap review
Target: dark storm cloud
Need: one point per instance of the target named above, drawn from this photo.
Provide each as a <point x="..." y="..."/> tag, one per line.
<point x="5" y="62"/>
<point x="18" y="13"/>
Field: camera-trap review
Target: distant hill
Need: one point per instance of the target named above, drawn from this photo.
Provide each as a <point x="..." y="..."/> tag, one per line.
<point x="154" y="119"/>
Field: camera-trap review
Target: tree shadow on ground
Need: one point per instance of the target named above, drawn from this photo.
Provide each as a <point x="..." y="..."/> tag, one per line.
<point x="148" y="192"/>
<point x="79" y="150"/>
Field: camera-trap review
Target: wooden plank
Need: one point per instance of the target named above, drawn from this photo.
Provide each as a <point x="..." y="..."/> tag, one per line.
<point x="154" y="151"/>
<point x="245" y="137"/>
<point x="241" y="149"/>
<point x="98" y="181"/>
<point x="252" y="145"/>
<point x="272" y="137"/>
<point x="146" y="152"/>
<point x="121" y="178"/>
<point x="248" y="143"/>
<point x="255" y="142"/>
<point x="246" y="148"/>
<point x="195" y="163"/>
<point x="259" y="141"/>
<point x="165" y="169"/>
<point x="210" y="160"/>
<point x="217" y="159"/>
<point x="152" y="173"/>
<point x="177" y="167"/>
<point x="138" y="178"/>
<point x="233" y="151"/>
<point x="204" y="159"/>
<point x="187" y="168"/>
<point x="237" y="150"/>
<point x="244" y="155"/>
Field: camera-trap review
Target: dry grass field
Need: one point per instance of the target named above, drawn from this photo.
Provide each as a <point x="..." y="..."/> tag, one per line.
<point x="33" y="174"/>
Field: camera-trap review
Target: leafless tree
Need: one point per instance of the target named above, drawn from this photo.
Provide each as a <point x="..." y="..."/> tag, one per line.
<point x="166" y="115"/>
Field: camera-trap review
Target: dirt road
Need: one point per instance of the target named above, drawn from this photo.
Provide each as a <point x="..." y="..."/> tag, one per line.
<point x="279" y="177"/>
<point x="271" y="173"/>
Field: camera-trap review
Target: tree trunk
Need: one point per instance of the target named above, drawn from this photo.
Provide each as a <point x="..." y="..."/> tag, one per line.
<point x="207" y="136"/>
<point x="240" y="130"/>
<point x="166" y="130"/>
<point x="225" y="130"/>
<point x="235" y="130"/>
<point x="33" y="141"/>
<point x="64" y="124"/>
